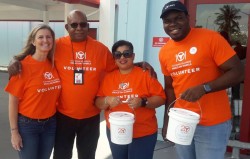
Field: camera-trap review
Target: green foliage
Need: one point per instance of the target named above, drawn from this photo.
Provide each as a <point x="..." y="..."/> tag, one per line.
<point x="241" y="37"/>
<point x="228" y="21"/>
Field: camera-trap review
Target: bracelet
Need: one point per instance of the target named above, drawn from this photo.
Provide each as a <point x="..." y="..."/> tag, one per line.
<point x="13" y="129"/>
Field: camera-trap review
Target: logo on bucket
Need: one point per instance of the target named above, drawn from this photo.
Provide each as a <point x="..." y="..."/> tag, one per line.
<point x="183" y="132"/>
<point x="184" y="129"/>
<point x="121" y="131"/>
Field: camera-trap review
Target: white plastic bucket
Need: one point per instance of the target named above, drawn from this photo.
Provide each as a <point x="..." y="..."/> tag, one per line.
<point x="181" y="125"/>
<point x="121" y="127"/>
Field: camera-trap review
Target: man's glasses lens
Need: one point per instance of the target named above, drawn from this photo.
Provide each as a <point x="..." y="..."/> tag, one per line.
<point x="82" y="25"/>
<point x="126" y="54"/>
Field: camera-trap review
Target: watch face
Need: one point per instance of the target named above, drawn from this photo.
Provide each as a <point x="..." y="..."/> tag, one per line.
<point x="207" y="88"/>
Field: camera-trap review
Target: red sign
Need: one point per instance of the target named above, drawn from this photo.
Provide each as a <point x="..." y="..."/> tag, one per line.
<point x="159" y="41"/>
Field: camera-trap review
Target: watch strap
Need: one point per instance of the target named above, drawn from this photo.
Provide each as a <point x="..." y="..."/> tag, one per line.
<point x="144" y="102"/>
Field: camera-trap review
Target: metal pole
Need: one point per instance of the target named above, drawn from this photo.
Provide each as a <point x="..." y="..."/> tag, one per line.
<point x="207" y="20"/>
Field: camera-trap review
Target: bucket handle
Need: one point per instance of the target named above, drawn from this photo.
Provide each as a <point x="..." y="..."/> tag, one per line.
<point x="169" y="106"/>
<point x="133" y="111"/>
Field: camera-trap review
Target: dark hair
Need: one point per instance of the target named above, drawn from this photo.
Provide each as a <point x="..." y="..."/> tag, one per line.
<point x="122" y="43"/>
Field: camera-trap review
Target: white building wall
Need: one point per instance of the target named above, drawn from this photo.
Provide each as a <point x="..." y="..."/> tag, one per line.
<point x="131" y="24"/>
<point x="14" y="34"/>
<point x="107" y="22"/>
<point x="155" y="29"/>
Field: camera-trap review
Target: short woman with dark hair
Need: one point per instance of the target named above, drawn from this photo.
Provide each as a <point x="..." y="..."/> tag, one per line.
<point x="133" y="90"/>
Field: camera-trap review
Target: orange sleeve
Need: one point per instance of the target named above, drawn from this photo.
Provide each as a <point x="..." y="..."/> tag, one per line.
<point x="220" y="54"/>
<point x="194" y="61"/>
<point x="16" y="85"/>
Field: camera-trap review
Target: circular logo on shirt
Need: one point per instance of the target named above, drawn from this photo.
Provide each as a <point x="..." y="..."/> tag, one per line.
<point x="81" y="55"/>
<point x="193" y="50"/>
<point x="48" y="75"/>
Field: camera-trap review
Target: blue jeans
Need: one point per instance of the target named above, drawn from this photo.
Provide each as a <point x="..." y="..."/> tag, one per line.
<point x="209" y="142"/>
<point x="140" y="148"/>
<point x="38" y="138"/>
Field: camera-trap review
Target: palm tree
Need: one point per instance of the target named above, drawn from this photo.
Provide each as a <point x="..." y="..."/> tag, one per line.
<point x="227" y="19"/>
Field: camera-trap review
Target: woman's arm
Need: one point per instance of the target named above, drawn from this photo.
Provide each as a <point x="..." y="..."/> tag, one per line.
<point x="107" y="102"/>
<point x="101" y="103"/>
<point x="16" y="139"/>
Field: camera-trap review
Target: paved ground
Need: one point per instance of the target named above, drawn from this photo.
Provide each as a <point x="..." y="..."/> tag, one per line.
<point x="6" y="151"/>
<point x="162" y="150"/>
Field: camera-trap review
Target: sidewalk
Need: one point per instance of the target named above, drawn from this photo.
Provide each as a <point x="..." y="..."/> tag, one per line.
<point x="162" y="149"/>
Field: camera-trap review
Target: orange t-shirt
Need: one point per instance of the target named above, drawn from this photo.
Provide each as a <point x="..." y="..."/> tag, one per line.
<point x="38" y="87"/>
<point x="135" y="84"/>
<point x="194" y="61"/>
<point x="77" y="101"/>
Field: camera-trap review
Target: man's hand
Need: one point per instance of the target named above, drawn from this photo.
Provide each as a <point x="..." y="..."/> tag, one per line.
<point x="193" y="94"/>
<point x="14" y="67"/>
<point x="146" y="66"/>
<point x="164" y="132"/>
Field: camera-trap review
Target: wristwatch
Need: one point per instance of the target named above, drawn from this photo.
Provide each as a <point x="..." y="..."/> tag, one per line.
<point x="207" y="88"/>
<point x="144" y="102"/>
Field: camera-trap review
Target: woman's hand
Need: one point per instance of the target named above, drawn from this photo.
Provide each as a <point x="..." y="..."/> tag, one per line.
<point x="134" y="102"/>
<point x="113" y="101"/>
<point x="16" y="140"/>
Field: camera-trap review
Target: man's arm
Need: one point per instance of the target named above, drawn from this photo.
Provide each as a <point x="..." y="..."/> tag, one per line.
<point x="170" y="96"/>
<point x="233" y="73"/>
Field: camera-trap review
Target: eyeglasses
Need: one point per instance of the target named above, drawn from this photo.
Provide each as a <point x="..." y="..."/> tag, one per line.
<point x="126" y="54"/>
<point x="82" y="25"/>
